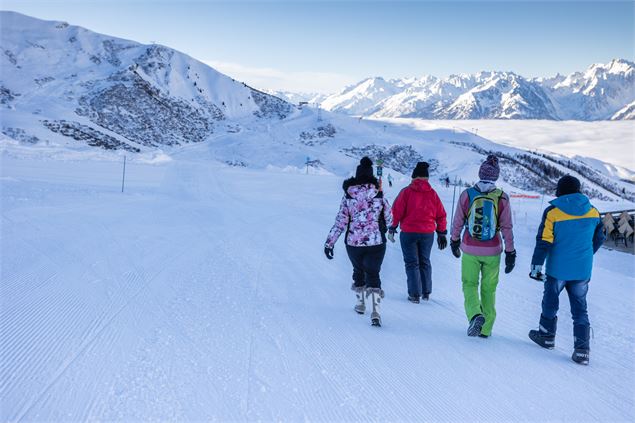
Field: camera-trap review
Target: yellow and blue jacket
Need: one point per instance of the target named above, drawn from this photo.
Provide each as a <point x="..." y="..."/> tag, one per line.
<point x="568" y="236"/>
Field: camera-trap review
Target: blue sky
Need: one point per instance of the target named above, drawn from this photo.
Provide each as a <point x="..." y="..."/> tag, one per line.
<point x="321" y="46"/>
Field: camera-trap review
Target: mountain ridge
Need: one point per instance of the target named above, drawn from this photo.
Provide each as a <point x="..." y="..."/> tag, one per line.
<point x="598" y="93"/>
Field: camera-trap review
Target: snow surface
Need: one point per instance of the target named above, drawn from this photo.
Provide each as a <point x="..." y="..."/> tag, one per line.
<point x="202" y="293"/>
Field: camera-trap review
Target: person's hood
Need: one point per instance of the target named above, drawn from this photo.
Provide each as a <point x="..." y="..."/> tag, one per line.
<point x="420" y="185"/>
<point x="355" y="181"/>
<point x="362" y="192"/>
<point x="485" y="186"/>
<point x="574" y="204"/>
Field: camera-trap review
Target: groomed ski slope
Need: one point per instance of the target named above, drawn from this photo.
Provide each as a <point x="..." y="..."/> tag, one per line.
<point x="202" y="293"/>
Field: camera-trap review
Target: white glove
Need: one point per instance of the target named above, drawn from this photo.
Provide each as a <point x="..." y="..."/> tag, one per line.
<point x="536" y="273"/>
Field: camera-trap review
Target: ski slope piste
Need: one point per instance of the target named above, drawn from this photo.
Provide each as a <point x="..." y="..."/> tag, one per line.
<point x="202" y="293"/>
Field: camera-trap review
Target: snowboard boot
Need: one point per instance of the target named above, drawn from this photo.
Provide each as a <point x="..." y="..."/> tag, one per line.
<point x="413" y="299"/>
<point x="425" y="297"/>
<point x="474" y="329"/>
<point x="360" y="306"/>
<point x="375" y="295"/>
<point x="545" y="336"/>
<point x="581" y="344"/>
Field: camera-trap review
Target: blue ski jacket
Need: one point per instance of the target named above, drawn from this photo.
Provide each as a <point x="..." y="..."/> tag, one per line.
<point x="568" y="236"/>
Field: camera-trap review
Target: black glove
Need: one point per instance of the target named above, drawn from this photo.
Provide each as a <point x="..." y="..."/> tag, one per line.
<point x="456" y="247"/>
<point x="391" y="233"/>
<point x="442" y="241"/>
<point x="510" y="261"/>
<point x="328" y="252"/>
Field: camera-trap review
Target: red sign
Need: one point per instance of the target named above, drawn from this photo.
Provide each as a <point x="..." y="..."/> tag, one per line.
<point x="533" y="197"/>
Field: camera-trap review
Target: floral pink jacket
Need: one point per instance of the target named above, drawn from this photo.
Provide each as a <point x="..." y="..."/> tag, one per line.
<point x="359" y="212"/>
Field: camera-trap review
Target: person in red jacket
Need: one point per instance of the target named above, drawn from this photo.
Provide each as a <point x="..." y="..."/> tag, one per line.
<point x="420" y="213"/>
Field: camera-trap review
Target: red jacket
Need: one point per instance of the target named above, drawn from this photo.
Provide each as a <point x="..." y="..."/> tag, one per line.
<point x="418" y="209"/>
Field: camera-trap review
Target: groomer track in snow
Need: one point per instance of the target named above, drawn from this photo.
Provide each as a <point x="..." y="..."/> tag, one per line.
<point x="201" y="293"/>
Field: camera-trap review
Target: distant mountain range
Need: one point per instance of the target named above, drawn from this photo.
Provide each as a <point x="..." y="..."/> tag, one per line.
<point x="602" y="92"/>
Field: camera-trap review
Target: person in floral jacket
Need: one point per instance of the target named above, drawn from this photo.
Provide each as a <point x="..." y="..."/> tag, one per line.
<point x="365" y="215"/>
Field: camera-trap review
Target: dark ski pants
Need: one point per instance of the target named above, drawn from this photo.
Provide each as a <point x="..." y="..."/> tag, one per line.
<point x="366" y="264"/>
<point x="577" y="291"/>
<point x="416" y="248"/>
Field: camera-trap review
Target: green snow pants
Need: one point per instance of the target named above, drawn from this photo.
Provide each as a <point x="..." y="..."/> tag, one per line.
<point x="487" y="267"/>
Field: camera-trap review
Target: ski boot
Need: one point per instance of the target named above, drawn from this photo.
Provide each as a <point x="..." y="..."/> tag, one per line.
<point x="376" y="295"/>
<point x="360" y="306"/>
<point x="581" y="344"/>
<point x="474" y="329"/>
<point x="545" y="336"/>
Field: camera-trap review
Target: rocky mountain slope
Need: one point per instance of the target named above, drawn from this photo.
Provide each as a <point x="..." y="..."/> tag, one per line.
<point x="100" y="88"/>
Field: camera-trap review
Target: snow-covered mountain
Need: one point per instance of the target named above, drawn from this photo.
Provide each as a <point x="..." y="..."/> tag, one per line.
<point x="63" y="79"/>
<point x="66" y="89"/>
<point x="425" y="97"/>
<point x="602" y="92"/>
<point x="504" y="96"/>
<point x="362" y="98"/>
<point x="296" y="98"/>
<point x="626" y="113"/>
<point x="598" y="93"/>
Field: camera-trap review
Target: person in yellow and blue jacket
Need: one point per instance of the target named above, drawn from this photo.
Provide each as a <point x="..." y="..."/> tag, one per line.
<point x="569" y="235"/>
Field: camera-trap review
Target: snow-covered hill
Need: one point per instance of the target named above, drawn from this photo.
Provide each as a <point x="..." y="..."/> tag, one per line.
<point x="63" y="79"/>
<point x="202" y="294"/>
<point x="602" y="92"/>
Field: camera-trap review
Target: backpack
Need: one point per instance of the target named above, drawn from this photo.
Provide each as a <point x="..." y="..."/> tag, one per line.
<point x="482" y="215"/>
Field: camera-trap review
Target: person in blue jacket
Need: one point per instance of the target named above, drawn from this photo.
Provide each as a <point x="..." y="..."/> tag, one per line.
<point x="569" y="235"/>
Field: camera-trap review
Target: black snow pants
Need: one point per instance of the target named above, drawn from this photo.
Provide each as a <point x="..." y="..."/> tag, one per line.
<point x="366" y="264"/>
